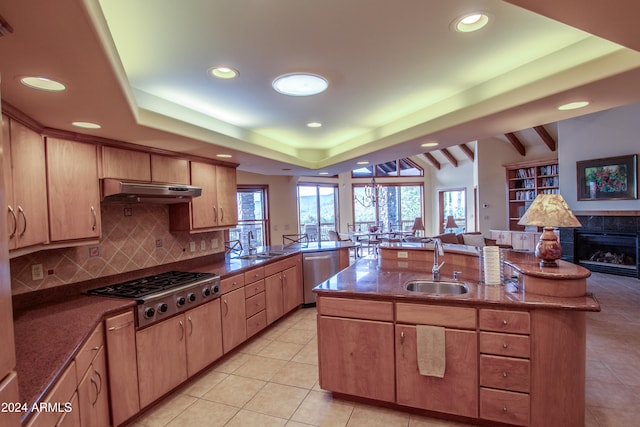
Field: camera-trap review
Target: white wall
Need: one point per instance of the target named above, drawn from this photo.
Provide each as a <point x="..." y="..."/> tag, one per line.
<point x="614" y="132"/>
<point x="446" y="178"/>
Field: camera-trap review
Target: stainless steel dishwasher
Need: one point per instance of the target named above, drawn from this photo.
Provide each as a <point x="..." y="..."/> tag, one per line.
<point x="317" y="267"/>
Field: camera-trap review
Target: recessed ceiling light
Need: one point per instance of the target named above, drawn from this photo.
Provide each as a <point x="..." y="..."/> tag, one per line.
<point x="300" y="84"/>
<point x="224" y="72"/>
<point x="314" y="124"/>
<point x="470" y="22"/>
<point x="363" y="162"/>
<point x="323" y="173"/>
<point x="573" y="105"/>
<point x="42" y="83"/>
<point x="86" y="125"/>
<point x="224" y="156"/>
<point x="429" y="144"/>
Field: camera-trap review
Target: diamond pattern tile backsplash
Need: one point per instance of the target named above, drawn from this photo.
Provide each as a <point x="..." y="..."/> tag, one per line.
<point x="133" y="237"/>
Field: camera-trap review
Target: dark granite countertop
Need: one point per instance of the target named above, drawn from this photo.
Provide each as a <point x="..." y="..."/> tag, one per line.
<point x="366" y="279"/>
<point x="51" y="325"/>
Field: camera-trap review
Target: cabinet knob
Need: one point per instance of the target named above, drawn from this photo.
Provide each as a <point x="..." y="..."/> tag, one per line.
<point x="505" y="345"/>
<point x="504" y="408"/>
<point x="504" y="374"/>
<point x="504" y="322"/>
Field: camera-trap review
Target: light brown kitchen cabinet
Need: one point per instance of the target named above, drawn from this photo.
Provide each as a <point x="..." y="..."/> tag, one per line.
<point x="25" y="184"/>
<point x="93" y="395"/>
<point x="283" y="287"/>
<point x="9" y="393"/>
<point x="125" y="164"/>
<point x="169" y="169"/>
<point x="123" y="370"/>
<point x="357" y="355"/>
<point x="72" y="418"/>
<point x="61" y="393"/>
<point x="215" y="208"/>
<point x="204" y="336"/>
<point x="162" y="358"/>
<point x="234" y="319"/>
<point x="74" y="194"/>
<point x="255" y="301"/>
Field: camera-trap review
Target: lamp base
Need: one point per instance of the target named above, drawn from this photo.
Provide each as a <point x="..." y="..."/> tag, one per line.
<point x="548" y="248"/>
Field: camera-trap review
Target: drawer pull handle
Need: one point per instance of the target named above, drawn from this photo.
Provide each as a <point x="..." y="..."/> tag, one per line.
<point x="505" y="345"/>
<point x="504" y="374"/>
<point x="504" y="322"/>
<point x="124" y="325"/>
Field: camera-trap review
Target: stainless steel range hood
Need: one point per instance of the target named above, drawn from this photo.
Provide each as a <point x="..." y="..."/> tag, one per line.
<point x="119" y="191"/>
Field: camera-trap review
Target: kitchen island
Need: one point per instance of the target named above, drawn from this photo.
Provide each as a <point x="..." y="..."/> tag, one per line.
<point x="509" y="354"/>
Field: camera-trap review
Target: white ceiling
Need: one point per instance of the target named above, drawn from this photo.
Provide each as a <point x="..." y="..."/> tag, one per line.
<point x="398" y="75"/>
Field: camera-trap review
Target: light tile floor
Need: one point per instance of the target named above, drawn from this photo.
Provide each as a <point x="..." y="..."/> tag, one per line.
<point x="273" y="380"/>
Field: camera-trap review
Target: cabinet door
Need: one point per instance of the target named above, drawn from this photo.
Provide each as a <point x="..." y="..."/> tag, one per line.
<point x="226" y="194"/>
<point x="204" y="209"/>
<point x="93" y="395"/>
<point x="162" y="358"/>
<point x="204" y="336"/>
<point x="169" y="169"/>
<point x="234" y="319"/>
<point x="74" y="195"/>
<point x="290" y="289"/>
<point x="125" y="164"/>
<point x="9" y="393"/>
<point x="525" y="241"/>
<point x="274" y="297"/>
<point x="29" y="187"/>
<point x="357" y="357"/>
<point x="123" y="371"/>
<point x="455" y="393"/>
<point x="72" y="418"/>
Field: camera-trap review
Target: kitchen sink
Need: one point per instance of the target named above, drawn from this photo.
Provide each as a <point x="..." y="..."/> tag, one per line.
<point x="437" y="287"/>
<point x="261" y="255"/>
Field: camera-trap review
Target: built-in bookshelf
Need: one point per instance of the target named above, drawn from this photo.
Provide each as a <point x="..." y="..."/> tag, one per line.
<point x="524" y="182"/>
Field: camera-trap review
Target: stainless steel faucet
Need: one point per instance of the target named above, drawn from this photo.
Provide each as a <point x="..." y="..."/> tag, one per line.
<point x="438" y="251"/>
<point x="252" y="249"/>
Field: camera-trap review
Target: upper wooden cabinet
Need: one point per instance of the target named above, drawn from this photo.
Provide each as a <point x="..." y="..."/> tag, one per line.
<point x="169" y="169"/>
<point x="74" y="194"/>
<point x="216" y="207"/>
<point x="125" y="164"/>
<point x="25" y="185"/>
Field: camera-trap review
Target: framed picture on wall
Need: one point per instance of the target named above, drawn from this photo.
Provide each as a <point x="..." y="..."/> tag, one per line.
<point x="612" y="178"/>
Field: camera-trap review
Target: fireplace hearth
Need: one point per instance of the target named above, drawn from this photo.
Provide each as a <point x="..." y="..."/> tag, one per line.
<point x="604" y="244"/>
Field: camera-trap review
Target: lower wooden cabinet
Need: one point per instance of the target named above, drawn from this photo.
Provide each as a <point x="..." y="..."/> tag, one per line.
<point x="93" y="396"/>
<point x="357" y="357"/>
<point x="204" y="336"/>
<point x="456" y="392"/>
<point x="234" y="319"/>
<point x="9" y="393"/>
<point x="162" y="358"/>
<point x="504" y="406"/>
<point x="283" y="288"/>
<point x="123" y="369"/>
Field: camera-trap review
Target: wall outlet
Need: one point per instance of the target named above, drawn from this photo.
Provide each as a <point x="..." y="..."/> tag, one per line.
<point x="203" y="245"/>
<point x="37" y="272"/>
<point x="192" y="246"/>
<point x="158" y="243"/>
<point x="214" y="243"/>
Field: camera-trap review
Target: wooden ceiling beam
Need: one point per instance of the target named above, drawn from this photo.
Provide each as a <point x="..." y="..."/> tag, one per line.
<point x="467" y="151"/>
<point x="546" y="138"/>
<point x="450" y="157"/>
<point x="432" y="160"/>
<point x="516" y="143"/>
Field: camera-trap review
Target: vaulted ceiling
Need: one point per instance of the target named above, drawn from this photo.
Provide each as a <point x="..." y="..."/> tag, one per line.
<point x="398" y="75"/>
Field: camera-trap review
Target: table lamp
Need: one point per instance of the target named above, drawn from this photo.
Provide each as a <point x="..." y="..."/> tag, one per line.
<point x="549" y="211"/>
<point x="417" y="225"/>
<point x="450" y="224"/>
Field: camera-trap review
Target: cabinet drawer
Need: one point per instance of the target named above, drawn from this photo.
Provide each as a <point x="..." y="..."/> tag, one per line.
<point x="504" y="406"/>
<point x="231" y="283"/>
<point x="254" y="288"/>
<point x="504" y="344"/>
<point x="504" y="373"/>
<point x="255" y="304"/>
<point x="89" y="350"/>
<point x="437" y="315"/>
<point x="516" y="322"/>
<point x="256" y="323"/>
<point x="254" y="275"/>
<point x="355" y="309"/>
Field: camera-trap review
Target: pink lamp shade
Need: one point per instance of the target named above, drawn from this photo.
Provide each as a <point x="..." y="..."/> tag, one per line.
<point x="549" y="211"/>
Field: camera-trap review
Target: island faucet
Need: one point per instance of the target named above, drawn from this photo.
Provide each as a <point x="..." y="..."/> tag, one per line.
<point x="438" y="251"/>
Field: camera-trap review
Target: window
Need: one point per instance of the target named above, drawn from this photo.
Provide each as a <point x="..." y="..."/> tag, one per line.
<point x="399" y="206"/>
<point x="317" y="210"/>
<point x="402" y="167"/>
<point x="252" y="217"/>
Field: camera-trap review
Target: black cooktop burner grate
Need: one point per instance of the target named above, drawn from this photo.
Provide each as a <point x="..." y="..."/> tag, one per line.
<point x="149" y="285"/>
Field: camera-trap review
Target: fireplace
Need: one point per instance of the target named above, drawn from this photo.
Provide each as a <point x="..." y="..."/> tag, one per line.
<point x="606" y="244"/>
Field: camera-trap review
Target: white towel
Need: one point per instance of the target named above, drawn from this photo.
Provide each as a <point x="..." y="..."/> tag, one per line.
<point x="431" y="350"/>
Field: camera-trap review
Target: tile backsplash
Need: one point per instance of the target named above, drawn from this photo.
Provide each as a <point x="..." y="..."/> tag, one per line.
<point x="133" y="237"/>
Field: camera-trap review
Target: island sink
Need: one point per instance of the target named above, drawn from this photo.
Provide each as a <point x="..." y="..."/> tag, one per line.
<point x="435" y="287"/>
